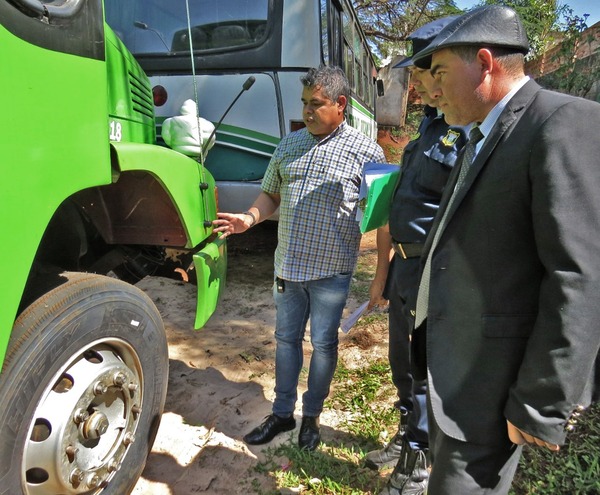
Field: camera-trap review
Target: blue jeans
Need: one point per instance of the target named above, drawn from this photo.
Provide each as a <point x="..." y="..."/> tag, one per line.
<point x="323" y="301"/>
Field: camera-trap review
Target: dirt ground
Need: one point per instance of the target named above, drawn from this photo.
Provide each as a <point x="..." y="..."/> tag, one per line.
<point x="221" y="377"/>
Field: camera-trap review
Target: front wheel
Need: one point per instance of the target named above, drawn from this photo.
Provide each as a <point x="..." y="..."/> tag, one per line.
<point x="82" y="390"/>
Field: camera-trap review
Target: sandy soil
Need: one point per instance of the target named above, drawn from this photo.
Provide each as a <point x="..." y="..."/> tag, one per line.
<point x="221" y="377"/>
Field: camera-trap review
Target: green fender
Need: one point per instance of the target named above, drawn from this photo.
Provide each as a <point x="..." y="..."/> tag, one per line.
<point x="181" y="178"/>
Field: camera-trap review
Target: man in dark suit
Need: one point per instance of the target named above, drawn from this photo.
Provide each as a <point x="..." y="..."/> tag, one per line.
<point x="507" y="314"/>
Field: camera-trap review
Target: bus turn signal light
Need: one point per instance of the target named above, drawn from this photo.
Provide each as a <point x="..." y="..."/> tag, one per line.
<point x="160" y="95"/>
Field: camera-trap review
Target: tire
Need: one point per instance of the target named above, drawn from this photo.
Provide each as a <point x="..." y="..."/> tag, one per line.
<point x="82" y="390"/>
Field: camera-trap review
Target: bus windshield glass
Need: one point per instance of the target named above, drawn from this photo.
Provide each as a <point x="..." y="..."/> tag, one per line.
<point x="161" y="26"/>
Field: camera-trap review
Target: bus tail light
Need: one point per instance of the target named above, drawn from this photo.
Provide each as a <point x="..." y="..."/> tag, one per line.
<point x="160" y="95"/>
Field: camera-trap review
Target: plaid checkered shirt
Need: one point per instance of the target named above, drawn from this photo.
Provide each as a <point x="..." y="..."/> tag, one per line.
<point x="319" y="183"/>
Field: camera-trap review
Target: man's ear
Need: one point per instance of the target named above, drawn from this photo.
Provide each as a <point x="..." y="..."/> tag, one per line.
<point x="342" y="101"/>
<point x="486" y="61"/>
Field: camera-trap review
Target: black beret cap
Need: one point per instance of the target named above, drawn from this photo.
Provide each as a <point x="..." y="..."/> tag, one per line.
<point x="490" y="26"/>
<point x="423" y="36"/>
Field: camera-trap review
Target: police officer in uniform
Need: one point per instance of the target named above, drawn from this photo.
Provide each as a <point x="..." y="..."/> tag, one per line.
<point x="426" y="165"/>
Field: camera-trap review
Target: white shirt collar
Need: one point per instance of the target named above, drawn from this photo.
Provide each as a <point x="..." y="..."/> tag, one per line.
<point x="491" y="118"/>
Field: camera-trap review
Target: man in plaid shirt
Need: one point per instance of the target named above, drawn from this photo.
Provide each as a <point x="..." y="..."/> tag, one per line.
<point x="314" y="178"/>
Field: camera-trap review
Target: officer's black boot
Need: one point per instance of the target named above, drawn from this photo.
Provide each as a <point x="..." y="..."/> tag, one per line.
<point x="410" y="476"/>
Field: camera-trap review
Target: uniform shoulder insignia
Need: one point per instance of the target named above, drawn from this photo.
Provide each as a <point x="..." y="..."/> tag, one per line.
<point x="450" y="138"/>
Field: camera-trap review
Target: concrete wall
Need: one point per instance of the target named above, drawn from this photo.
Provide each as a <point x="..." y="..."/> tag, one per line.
<point x="391" y="108"/>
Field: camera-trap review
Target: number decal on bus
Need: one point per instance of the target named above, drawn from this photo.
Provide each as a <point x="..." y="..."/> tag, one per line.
<point x="116" y="133"/>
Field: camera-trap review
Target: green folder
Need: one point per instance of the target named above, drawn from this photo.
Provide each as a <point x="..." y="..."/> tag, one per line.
<point x="375" y="198"/>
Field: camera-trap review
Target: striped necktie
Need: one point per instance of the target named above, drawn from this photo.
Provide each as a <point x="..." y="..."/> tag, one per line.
<point x="475" y="136"/>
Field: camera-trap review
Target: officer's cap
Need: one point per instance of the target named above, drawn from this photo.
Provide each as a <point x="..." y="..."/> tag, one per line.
<point x="423" y="36"/>
<point x="490" y="26"/>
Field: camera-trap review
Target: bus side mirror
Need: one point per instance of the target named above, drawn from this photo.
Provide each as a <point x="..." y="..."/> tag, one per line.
<point x="380" y="90"/>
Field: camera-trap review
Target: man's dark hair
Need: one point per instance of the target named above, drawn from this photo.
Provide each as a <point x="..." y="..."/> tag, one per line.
<point x="330" y="80"/>
<point x="512" y="61"/>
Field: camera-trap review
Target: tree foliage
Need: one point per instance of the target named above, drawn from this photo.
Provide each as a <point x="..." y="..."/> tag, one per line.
<point x="548" y="23"/>
<point x="387" y="23"/>
<point x="574" y="75"/>
<point x="540" y="19"/>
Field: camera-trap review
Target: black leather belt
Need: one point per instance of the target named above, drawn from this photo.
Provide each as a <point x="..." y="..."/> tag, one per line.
<point x="407" y="250"/>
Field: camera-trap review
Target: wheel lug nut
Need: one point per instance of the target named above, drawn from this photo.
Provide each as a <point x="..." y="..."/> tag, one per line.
<point x="76" y="477"/>
<point x="112" y="466"/>
<point x="100" y="388"/>
<point x="80" y="416"/>
<point x="119" y="379"/>
<point x="129" y="438"/>
<point x="93" y="481"/>
<point x="136" y="409"/>
<point x="133" y="387"/>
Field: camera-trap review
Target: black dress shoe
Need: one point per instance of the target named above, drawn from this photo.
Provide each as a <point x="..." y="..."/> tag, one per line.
<point x="269" y="429"/>
<point x="309" y="436"/>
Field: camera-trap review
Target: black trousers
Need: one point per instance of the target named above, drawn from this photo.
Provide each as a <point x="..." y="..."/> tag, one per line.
<point x="401" y="291"/>
<point x="464" y="468"/>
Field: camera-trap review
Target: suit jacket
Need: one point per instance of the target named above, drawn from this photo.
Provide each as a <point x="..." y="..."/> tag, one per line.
<point x="512" y="328"/>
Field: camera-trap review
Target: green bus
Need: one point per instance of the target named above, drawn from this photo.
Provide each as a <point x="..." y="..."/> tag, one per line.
<point x="90" y="203"/>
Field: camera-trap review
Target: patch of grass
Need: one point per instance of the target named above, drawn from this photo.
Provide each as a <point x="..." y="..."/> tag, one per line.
<point x="329" y="470"/>
<point x="363" y="274"/>
<point x="394" y="153"/>
<point x="375" y="317"/>
<point x="574" y="470"/>
<point x="367" y="397"/>
<point x="363" y="395"/>
<point x="360" y="291"/>
<point x="396" y="131"/>
<point x="414" y="116"/>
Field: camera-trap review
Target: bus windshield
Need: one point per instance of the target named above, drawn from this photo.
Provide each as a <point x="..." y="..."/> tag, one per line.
<point x="158" y="27"/>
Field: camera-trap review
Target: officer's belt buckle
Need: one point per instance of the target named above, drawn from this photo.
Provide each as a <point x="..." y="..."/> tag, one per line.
<point x="406" y="250"/>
